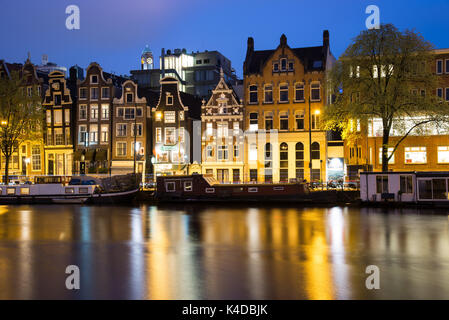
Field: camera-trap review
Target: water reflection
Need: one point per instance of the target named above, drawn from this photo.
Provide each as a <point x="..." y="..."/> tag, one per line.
<point x="198" y="252"/>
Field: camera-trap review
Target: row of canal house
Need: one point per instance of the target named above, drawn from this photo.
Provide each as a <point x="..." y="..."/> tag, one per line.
<point x="101" y="123"/>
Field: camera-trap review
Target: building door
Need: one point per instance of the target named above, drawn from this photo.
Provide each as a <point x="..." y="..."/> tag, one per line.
<point x="51" y="164"/>
<point x="223" y="175"/>
<point x="235" y="175"/>
<point x="24" y="166"/>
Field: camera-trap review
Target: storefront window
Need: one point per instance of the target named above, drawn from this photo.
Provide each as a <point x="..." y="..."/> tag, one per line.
<point x="443" y="154"/>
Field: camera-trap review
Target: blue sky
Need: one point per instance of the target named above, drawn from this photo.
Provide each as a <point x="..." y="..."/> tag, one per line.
<point x="114" y="33"/>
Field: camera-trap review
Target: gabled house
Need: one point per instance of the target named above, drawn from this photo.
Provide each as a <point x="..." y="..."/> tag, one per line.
<point x="222" y="136"/>
<point x="173" y="129"/>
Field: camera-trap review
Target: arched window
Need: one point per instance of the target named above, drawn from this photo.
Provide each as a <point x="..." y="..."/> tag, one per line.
<point x="268" y="163"/>
<point x="315" y="148"/>
<point x="283" y="156"/>
<point x="299" y="149"/>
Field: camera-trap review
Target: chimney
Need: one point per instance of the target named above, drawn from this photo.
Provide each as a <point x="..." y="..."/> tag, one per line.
<point x="163" y="62"/>
<point x="44" y="59"/>
<point x="250" y="46"/>
<point x="283" y="40"/>
<point x="326" y="38"/>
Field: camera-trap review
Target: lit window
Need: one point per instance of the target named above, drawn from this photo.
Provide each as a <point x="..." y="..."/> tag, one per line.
<point x="170" y="136"/>
<point x="94" y="112"/>
<point x="94" y="134"/>
<point x="253" y="152"/>
<point x="170" y="116"/>
<point x="222" y="152"/>
<point x="104" y="133"/>
<point x="253" y="121"/>
<point x="209" y="151"/>
<point x="236" y="129"/>
<point x="390" y="151"/>
<point x="222" y="129"/>
<point x="443" y="154"/>
<point x="158" y="135"/>
<point x="415" y="155"/>
<point x="121" y="148"/>
<point x="104" y="111"/>
<point x="209" y="129"/>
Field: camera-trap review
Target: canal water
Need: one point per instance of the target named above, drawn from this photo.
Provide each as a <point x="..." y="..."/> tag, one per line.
<point x="222" y="252"/>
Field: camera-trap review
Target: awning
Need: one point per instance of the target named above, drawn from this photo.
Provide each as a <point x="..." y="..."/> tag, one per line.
<point x="101" y="155"/>
<point x="77" y="155"/>
<point x="89" y="155"/>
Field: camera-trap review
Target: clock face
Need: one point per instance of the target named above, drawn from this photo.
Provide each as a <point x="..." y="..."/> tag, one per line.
<point x="149" y="60"/>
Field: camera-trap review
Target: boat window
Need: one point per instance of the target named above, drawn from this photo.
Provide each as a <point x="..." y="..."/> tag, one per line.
<point x="75" y="182"/>
<point x="83" y="190"/>
<point x="253" y="189"/>
<point x="24" y="190"/>
<point x="425" y="189"/>
<point x="278" y="188"/>
<point x="188" y="186"/>
<point x="69" y="190"/>
<point x="382" y="184"/>
<point x="170" y="186"/>
<point x="238" y="189"/>
<point x="406" y="185"/>
<point x="11" y="191"/>
<point x="210" y="190"/>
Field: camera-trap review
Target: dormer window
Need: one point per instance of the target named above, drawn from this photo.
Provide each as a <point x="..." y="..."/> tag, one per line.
<point x="169" y="99"/>
<point x="283" y="64"/>
<point x="94" y="79"/>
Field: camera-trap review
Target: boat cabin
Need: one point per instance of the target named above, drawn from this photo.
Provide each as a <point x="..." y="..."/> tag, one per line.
<point x="197" y="187"/>
<point x="412" y="187"/>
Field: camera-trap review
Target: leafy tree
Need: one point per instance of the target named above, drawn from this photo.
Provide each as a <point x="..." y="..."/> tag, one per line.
<point x="20" y="115"/>
<point x="386" y="74"/>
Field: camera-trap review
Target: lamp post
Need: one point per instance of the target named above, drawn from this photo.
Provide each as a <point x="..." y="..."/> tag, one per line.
<point x="310" y="143"/>
<point x="27" y="162"/>
<point x="135" y="139"/>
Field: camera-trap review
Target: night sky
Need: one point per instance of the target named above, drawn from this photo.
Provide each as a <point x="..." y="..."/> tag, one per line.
<point x="114" y="33"/>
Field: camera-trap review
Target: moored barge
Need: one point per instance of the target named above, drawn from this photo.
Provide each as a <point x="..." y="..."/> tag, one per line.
<point x="197" y="187"/>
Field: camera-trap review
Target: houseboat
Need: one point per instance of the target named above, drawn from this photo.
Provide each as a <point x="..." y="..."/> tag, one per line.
<point x="197" y="187"/>
<point x="78" y="190"/>
<point x="404" y="187"/>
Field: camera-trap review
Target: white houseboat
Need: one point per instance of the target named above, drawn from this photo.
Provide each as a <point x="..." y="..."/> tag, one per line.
<point x="404" y="187"/>
<point x="78" y="190"/>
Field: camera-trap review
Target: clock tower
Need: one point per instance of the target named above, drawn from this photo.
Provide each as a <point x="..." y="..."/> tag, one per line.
<point x="146" y="59"/>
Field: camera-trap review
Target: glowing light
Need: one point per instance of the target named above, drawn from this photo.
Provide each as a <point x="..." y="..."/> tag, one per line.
<point x="158" y="116"/>
<point x="317" y="112"/>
